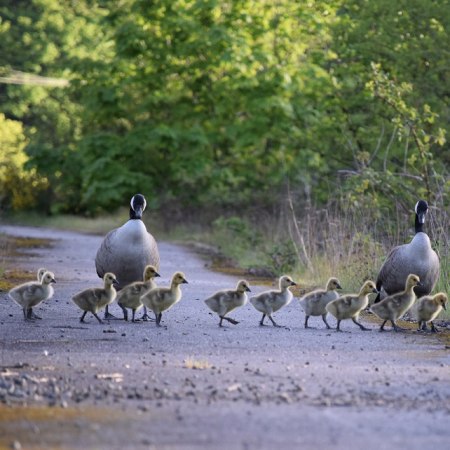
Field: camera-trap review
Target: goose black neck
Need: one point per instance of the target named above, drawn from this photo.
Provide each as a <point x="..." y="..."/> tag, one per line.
<point x="418" y="226"/>
<point x="133" y="215"/>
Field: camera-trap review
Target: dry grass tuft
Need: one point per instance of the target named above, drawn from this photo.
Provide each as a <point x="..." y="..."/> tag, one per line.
<point x="196" y="364"/>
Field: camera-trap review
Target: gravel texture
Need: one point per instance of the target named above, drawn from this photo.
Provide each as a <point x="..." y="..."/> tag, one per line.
<point x="191" y="384"/>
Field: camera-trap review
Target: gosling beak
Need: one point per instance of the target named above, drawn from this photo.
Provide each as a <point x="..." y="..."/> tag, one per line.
<point x="338" y="286"/>
<point x="374" y="291"/>
<point x="185" y="281"/>
<point x="444" y="306"/>
<point x="115" y="281"/>
<point x="248" y="289"/>
<point x="419" y="283"/>
<point x="157" y="274"/>
<point x="293" y="283"/>
<point x="52" y="280"/>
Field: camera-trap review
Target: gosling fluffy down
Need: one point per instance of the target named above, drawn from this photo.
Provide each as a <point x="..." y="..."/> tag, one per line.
<point x="94" y="299"/>
<point x="349" y="306"/>
<point x="223" y="302"/>
<point x="163" y="298"/>
<point x="394" y="306"/>
<point x="271" y="301"/>
<point x="130" y="295"/>
<point x="314" y="303"/>
<point x="427" y="308"/>
<point x="28" y="295"/>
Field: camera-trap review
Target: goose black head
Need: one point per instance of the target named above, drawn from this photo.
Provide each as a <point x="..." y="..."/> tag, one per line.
<point x="421" y="210"/>
<point x="137" y="206"/>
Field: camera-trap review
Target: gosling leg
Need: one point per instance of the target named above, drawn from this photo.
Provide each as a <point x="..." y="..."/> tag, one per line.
<point x="261" y="323"/>
<point x="306" y="321"/>
<point x="133" y="313"/>
<point x="275" y="324"/>
<point x="382" y="325"/>
<point x="145" y="317"/>
<point x="338" y="326"/>
<point x="396" y="327"/>
<point x="82" y="317"/>
<point x="98" y="318"/>
<point x="125" y="313"/>
<point x="324" y="318"/>
<point x="108" y="315"/>
<point x="234" y="322"/>
<point x="434" y="328"/>
<point x="360" y="325"/>
<point x="158" y="319"/>
<point x="33" y="315"/>
<point x="29" y="315"/>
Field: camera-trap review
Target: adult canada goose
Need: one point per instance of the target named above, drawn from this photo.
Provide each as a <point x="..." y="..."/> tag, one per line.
<point x="94" y="299"/>
<point x="223" y="302"/>
<point x="428" y="308"/>
<point x="271" y="301"/>
<point x="162" y="298"/>
<point x="314" y="303"/>
<point x="416" y="257"/>
<point x="130" y="295"/>
<point x="394" y="306"/>
<point x="28" y="295"/>
<point x="349" y="306"/>
<point x="125" y="251"/>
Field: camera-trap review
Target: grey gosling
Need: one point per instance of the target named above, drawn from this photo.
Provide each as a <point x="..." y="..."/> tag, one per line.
<point x="28" y="295"/>
<point x="94" y="299"/>
<point x="314" y="303"/>
<point x="428" y="308"/>
<point x="271" y="301"/>
<point x="393" y="307"/>
<point x="127" y="250"/>
<point x="161" y="299"/>
<point x="416" y="257"/>
<point x="223" y="302"/>
<point x="130" y="295"/>
<point x="349" y="306"/>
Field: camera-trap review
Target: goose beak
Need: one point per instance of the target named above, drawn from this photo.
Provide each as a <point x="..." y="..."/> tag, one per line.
<point x="421" y="216"/>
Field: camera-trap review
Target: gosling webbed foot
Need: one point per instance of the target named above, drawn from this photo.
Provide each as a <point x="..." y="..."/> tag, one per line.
<point x="109" y="316"/>
<point x="98" y="318"/>
<point x="228" y="319"/>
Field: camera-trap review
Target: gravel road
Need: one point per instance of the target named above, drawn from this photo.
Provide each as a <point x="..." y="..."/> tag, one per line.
<point x="193" y="385"/>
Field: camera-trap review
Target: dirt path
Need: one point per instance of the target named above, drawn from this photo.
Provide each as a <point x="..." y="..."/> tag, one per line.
<point x="193" y="385"/>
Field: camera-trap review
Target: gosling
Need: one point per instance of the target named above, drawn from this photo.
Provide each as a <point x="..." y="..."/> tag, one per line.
<point x="349" y="306"/>
<point x="162" y="299"/>
<point x="315" y="302"/>
<point x="223" y="302"/>
<point x="28" y="295"/>
<point x="130" y="295"/>
<point x="428" y="308"/>
<point x="271" y="301"/>
<point x="94" y="299"/>
<point x="394" y="306"/>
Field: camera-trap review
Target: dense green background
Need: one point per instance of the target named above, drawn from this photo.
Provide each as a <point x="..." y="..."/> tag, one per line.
<point x="222" y="104"/>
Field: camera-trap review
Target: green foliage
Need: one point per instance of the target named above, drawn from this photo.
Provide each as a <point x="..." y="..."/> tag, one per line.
<point x="19" y="187"/>
<point x="209" y="104"/>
